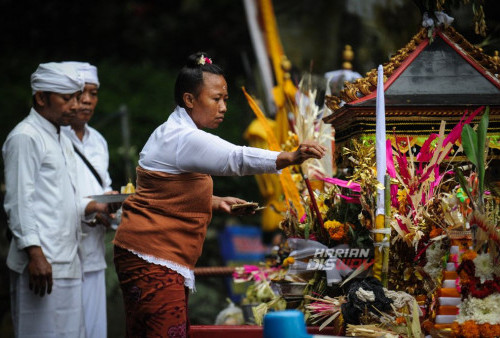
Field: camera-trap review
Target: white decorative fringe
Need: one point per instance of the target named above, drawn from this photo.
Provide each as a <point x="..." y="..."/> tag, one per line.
<point x="185" y="272"/>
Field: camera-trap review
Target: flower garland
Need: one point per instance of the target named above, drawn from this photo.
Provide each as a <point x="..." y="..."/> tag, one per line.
<point x="478" y="318"/>
<point x="481" y="290"/>
<point x="484" y="267"/>
<point x="485" y="310"/>
<point x="435" y="255"/>
<point x="471" y="329"/>
<point x="477" y="275"/>
<point x="479" y="314"/>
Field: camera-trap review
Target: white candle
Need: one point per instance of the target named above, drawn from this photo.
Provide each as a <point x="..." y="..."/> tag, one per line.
<point x="380" y="140"/>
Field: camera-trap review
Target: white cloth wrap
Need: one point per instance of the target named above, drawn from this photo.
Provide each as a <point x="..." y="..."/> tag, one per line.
<point x="94" y="304"/>
<point x="59" y="314"/>
<point x="56" y="77"/>
<point x="87" y="71"/>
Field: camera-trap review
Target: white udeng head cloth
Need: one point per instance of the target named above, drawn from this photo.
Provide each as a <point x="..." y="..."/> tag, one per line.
<point x="56" y="77"/>
<point x="88" y="71"/>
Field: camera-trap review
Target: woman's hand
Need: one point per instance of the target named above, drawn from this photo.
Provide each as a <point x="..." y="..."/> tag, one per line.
<point x="305" y="151"/>
<point x="223" y="204"/>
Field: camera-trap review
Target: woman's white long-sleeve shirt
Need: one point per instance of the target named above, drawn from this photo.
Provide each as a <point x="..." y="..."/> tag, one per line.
<point x="178" y="146"/>
<point x="42" y="199"/>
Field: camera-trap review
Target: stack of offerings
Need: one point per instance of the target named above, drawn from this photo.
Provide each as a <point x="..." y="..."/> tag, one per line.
<point x="449" y="297"/>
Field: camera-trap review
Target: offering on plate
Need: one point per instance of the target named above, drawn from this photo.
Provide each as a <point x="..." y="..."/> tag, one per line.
<point x="249" y="205"/>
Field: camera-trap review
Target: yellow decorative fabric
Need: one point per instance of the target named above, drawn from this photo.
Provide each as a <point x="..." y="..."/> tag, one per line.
<point x="269" y="184"/>
<point x="289" y="189"/>
<point x="377" y="265"/>
<point x="284" y="91"/>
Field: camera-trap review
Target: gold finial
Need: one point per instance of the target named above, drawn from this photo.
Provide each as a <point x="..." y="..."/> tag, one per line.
<point x="496" y="58"/>
<point x="348" y="56"/>
<point x="286" y="65"/>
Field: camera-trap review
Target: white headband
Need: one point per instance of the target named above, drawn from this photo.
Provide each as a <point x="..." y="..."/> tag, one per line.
<point x="88" y="71"/>
<point x="56" y="77"/>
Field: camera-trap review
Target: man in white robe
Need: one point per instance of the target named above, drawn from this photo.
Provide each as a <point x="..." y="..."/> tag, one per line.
<point x="92" y="145"/>
<point x="45" y="209"/>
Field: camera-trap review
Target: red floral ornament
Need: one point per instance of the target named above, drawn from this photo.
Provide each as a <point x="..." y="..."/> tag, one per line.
<point x="203" y="60"/>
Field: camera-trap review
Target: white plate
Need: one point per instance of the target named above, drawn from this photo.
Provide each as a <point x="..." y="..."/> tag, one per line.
<point x="117" y="198"/>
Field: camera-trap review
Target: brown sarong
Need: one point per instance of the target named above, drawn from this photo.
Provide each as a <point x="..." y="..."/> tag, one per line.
<point x="167" y="217"/>
<point x="155" y="297"/>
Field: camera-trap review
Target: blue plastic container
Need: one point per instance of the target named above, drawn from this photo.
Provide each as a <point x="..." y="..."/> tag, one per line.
<point x="285" y="324"/>
<point x="242" y="243"/>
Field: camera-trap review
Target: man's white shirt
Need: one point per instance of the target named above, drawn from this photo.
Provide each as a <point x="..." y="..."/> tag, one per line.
<point x="95" y="148"/>
<point x="42" y="199"/>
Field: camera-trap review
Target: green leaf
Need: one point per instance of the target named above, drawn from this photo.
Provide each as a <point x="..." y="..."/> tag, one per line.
<point x="352" y="233"/>
<point x="463" y="184"/>
<point x="481" y="147"/>
<point x="307" y="228"/>
<point x="469" y="142"/>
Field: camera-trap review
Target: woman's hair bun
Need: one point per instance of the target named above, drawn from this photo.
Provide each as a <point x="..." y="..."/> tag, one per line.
<point x="198" y="60"/>
<point x="190" y="77"/>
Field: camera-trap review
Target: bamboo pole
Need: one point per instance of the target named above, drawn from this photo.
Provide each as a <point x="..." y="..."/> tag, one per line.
<point x="387" y="225"/>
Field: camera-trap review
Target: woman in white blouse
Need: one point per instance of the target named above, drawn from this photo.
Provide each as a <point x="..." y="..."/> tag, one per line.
<point x="164" y="224"/>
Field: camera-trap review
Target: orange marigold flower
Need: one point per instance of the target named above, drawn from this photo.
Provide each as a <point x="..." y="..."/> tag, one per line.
<point x="336" y="234"/>
<point x="400" y="320"/>
<point x="470" y="329"/>
<point x="456" y="329"/>
<point x="495" y="330"/>
<point x="486" y="330"/>
<point x="435" y="232"/>
<point x="288" y="261"/>
<point x="335" y="230"/>
<point x="464" y="277"/>
<point x="427" y="325"/>
<point x="332" y="224"/>
<point x="469" y="255"/>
